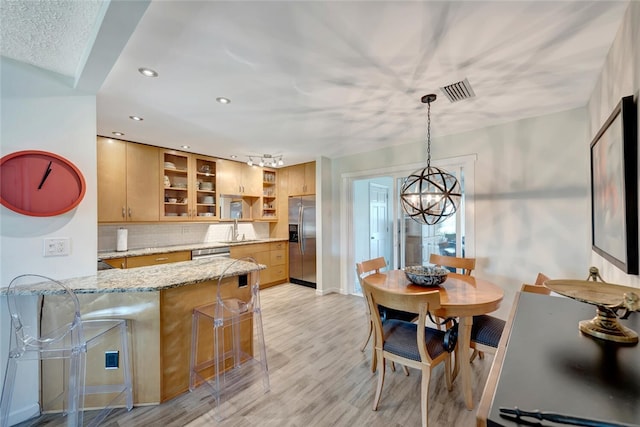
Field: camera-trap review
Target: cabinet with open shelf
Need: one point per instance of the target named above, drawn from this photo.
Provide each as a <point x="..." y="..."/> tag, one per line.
<point x="189" y="187"/>
<point x="269" y="202"/>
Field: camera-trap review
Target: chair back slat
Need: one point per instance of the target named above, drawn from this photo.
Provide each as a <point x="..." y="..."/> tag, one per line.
<point x="370" y="266"/>
<point x="467" y="265"/>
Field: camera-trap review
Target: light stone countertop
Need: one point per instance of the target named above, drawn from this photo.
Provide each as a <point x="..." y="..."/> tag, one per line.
<point x="148" y="279"/>
<point x="179" y="248"/>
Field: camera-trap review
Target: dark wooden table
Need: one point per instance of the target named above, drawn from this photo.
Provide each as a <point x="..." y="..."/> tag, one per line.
<point x="547" y="364"/>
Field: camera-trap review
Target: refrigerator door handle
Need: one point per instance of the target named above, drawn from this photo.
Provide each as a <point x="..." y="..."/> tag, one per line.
<point x="301" y="229"/>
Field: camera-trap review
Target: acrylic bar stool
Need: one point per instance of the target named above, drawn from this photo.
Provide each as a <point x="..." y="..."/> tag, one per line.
<point x="221" y="356"/>
<point x="64" y="340"/>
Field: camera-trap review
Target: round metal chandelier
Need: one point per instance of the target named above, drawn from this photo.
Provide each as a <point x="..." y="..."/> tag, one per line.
<point x="430" y="195"/>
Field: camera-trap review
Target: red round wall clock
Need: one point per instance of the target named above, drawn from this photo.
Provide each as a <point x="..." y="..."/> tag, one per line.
<point x="39" y="183"/>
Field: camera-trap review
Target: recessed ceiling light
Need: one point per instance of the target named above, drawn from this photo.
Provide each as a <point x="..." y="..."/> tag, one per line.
<point x="233" y="156"/>
<point x="118" y="133"/>
<point x="148" y="72"/>
<point x="222" y="100"/>
<point x="136" y="118"/>
<point x="186" y="146"/>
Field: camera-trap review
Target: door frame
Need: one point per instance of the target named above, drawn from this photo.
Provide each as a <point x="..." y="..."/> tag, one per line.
<point x="347" y="247"/>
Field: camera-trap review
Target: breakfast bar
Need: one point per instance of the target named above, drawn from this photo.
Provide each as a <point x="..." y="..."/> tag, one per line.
<point x="158" y="302"/>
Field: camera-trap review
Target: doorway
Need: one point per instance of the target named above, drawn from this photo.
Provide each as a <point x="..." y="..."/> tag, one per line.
<point x="379" y="227"/>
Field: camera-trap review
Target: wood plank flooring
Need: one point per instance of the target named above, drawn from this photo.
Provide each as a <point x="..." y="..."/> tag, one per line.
<point x="318" y="377"/>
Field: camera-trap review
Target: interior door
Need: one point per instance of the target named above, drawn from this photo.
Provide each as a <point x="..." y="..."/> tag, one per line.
<point x="378" y="221"/>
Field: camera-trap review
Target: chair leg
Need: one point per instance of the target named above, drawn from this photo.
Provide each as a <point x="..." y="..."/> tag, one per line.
<point x="7" y="391"/>
<point x="473" y="356"/>
<point x="374" y="357"/>
<point x="376" y="399"/>
<point x="405" y="370"/>
<point x="424" y="395"/>
<point x="369" y="333"/>
<point x="126" y="364"/>
<point x="447" y="373"/>
<point x="75" y="414"/>
<point x="257" y="318"/>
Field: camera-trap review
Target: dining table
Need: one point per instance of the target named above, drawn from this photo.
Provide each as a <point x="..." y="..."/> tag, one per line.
<point x="461" y="296"/>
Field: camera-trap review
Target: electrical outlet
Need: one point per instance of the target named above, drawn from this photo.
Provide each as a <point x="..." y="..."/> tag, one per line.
<point x="57" y="247"/>
<point x="111" y="359"/>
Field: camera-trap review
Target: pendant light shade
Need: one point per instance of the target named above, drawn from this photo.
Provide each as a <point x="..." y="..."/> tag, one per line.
<point x="430" y="195"/>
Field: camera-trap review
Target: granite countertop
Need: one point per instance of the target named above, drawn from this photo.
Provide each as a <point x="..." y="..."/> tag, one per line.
<point x="179" y="248"/>
<point x="148" y="279"/>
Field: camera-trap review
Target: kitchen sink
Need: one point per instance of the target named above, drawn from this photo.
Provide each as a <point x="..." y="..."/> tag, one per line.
<point x="226" y="242"/>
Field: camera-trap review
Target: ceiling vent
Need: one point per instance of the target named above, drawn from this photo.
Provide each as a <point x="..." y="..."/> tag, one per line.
<point x="458" y="91"/>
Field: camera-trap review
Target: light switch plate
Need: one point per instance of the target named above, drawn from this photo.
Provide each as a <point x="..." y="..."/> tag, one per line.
<point x="57" y="247"/>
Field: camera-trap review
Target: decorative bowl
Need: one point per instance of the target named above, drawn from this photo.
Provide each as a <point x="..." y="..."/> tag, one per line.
<point x="426" y="275"/>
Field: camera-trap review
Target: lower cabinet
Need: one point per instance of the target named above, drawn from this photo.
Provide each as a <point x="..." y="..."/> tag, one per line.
<point x="273" y="255"/>
<point x="146" y="260"/>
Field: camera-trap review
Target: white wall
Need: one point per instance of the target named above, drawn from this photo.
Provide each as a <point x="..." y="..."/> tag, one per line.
<point x="39" y="111"/>
<point x="531" y="195"/>
<point x="620" y="77"/>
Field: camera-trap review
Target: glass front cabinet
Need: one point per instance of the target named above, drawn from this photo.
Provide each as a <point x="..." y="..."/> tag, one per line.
<point x="189" y="187"/>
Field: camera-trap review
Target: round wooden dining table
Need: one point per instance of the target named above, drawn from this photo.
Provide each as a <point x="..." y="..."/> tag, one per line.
<point x="461" y="296"/>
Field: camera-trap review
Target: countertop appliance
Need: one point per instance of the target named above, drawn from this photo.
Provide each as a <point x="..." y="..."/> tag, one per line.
<point x="302" y="240"/>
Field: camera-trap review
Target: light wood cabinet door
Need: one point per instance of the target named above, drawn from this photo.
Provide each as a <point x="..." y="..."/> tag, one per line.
<point x="128" y="176"/>
<point x="157" y="259"/>
<point x="251" y="177"/>
<point x="302" y="179"/>
<point x="112" y="179"/>
<point x="235" y="178"/>
<point x="143" y="176"/>
<point x="229" y="177"/>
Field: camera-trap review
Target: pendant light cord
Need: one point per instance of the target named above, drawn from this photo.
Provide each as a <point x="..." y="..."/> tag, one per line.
<point x="428" y="134"/>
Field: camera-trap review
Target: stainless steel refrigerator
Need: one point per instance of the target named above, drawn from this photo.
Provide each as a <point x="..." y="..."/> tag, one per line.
<point x="302" y="240"/>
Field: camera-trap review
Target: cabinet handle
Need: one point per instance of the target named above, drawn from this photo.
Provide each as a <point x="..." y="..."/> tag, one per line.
<point x="122" y="265"/>
<point x="129" y="212"/>
<point x="124" y="213"/>
<point x="162" y="258"/>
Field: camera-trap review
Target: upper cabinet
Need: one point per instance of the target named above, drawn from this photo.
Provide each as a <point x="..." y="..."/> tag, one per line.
<point x="239" y="179"/>
<point x="189" y="187"/>
<point x="128" y="176"/>
<point x="269" y="201"/>
<point x="302" y="179"/>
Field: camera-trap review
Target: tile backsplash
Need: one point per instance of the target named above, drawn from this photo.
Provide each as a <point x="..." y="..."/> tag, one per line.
<point x="154" y="235"/>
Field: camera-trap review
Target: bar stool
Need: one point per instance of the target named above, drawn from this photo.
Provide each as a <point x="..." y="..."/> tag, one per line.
<point x="67" y="337"/>
<point x="221" y="357"/>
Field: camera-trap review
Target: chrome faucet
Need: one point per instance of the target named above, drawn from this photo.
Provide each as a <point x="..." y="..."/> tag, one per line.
<point x="235" y="234"/>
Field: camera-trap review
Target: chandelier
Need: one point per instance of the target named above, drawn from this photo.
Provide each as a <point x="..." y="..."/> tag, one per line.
<point x="266" y="160"/>
<point x="430" y="195"/>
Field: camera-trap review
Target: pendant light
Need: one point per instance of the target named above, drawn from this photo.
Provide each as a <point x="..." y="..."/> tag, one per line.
<point x="430" y="195"/>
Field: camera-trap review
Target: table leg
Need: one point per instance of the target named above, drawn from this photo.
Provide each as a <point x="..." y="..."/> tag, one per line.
<point x="464" y="340"/>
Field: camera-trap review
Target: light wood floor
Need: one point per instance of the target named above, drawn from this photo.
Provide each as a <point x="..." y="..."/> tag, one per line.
<point x="318" y="377"/>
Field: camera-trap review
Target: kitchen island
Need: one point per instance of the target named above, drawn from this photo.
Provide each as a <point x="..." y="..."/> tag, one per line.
<point x="158" y="302"/>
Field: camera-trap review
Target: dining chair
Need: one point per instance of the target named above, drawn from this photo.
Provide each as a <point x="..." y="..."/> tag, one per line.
<point x="220" y="359"/>
<point x="466" y="265"/>
<point x="363" y="269"/>
<point x="64" y="341"/>
<point x="538" y="287"/>
<point x="486" y="330"/>
<point x="411" y="344"/>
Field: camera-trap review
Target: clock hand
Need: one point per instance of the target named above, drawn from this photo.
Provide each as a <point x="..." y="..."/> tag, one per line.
<point x="46" y="174"/>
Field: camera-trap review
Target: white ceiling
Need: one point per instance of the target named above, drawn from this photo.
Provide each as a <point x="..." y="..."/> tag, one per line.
<point x="330" y="78"/>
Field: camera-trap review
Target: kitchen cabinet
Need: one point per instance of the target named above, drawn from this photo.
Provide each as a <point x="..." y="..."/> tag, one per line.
<point x="273" y="255"/>
<point x="269" y="202"/>
<point x="189" y="187"/>
<point x="157" y="259"/>
<point x="302" y="179"/>
<point x="117" y="262"/>
<point x="238" y="178"/>
<point x="128" y="176"/>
